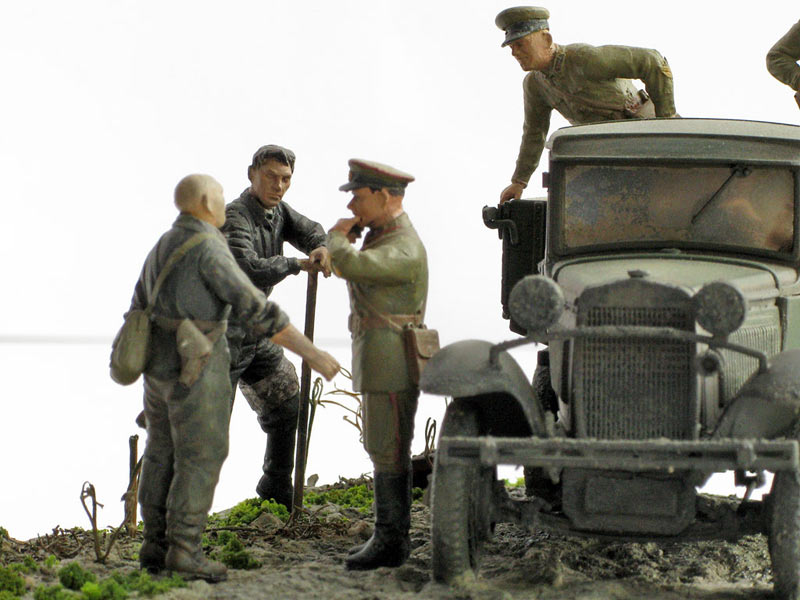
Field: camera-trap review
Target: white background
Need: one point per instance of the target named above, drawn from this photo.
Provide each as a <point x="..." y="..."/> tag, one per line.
<point x="105" y="105"/>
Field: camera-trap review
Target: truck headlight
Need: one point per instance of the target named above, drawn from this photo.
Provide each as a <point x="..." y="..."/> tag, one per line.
<point x="720" y="308"/>
<point x="536" y="302"/>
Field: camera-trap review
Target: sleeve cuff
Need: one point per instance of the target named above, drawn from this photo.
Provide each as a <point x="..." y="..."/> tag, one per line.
<point x="294" y="265"/>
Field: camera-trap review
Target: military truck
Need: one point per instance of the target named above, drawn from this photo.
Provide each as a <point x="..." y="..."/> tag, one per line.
<point x="660" y="277"/>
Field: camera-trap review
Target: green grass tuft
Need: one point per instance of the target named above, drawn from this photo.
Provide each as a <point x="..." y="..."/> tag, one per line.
<point x="141" y="582"/>
<point x="233" y="554"/>
<point x="358" y="497"/>
<point x="247" y="511"/>
<point x="11" y="582"/>
<point x="53" y="592"/>
<point x="73" y="576"/>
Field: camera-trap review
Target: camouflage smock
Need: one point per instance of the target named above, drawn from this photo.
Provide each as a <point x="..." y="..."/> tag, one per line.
<point x="783" y="56"/>
<point x="390" y="274"/>
<point x="587" y="84"/>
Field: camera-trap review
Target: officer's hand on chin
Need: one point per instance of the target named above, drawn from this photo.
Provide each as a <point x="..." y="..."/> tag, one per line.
<point x="349" y="227"/>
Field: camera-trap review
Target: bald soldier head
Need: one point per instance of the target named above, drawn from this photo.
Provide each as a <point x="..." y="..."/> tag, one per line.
<point x="201" y="196"/>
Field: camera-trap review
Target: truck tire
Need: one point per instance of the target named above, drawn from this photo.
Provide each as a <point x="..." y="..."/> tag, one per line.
<point x="784" y="534"/>
<point x="461" y="516"/>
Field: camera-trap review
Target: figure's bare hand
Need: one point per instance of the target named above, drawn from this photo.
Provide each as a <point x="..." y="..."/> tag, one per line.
<point x="322" y="258"/>
<point x="290" y="338"/>
<point x="324" y="364"/>
<point x="349" y="227"/>
<point x="512" y="192"/>
<point x="308" y="266"/>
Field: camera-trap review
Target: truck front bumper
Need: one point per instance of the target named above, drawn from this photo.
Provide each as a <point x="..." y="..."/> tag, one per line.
<point x="663" y="455"/>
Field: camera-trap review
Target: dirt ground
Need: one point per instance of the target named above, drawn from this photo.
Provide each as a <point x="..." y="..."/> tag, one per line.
<point x="305" y="561"/>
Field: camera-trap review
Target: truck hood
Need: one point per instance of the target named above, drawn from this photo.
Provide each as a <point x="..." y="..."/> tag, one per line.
<point x="756" y="280"/>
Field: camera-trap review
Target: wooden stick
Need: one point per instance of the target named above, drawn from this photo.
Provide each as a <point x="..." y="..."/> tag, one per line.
<point x="305" y="392"/>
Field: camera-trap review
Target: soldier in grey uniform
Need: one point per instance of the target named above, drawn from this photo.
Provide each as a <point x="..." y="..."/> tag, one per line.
<point x="387" y="280"/>
<point x="258" y="223"/>
<point x="187" y="388"/>
<point x="584" y="83"/>
<point x="782" y="60"/>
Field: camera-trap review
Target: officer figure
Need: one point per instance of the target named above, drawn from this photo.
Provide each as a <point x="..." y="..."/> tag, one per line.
<point x="187" y="388"/>
<point x="782" y="60"/>
<point x="584" y="83"/>
<point x="387" y="280"/>
<point x="258" y="223"/>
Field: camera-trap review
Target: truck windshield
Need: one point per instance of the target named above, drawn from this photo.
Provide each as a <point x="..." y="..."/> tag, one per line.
<point x="741" y="206"/>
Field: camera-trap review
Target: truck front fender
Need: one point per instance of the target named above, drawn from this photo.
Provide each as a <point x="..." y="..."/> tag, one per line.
<point x="463" y="370"/>
<point x="768" y="404"/>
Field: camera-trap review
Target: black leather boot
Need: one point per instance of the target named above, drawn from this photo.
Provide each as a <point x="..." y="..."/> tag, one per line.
<point x="276" y="482"/>
<point x="185" y="555"/>
<point x="390" y="544"/>
<point x="154" y="547"/>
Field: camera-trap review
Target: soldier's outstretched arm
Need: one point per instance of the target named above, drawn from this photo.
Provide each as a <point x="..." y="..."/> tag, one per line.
<point x="323" y="363"/>
<point x="534" y="136"/>
<point x="783" y="56"/>
<point x="627" y="62"/>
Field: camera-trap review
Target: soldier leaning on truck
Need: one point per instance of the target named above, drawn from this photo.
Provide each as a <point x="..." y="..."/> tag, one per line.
<point x="584" y="83"/>
<point x="782" y="60"/>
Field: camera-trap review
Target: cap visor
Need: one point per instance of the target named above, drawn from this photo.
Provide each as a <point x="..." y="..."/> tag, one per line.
<point x="350" y="185"/>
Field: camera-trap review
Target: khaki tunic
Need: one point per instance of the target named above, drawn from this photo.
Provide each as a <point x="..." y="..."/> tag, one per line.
<point x="587" y="84"/>
<point x="390" y="274"/>
<point x="783" y="56"/>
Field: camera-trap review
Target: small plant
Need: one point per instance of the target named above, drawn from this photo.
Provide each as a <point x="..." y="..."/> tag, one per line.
<point x="73" y="576"/>
<point x="141" y="582"/>
<point x="6" y="595"/>
<point x="520" y="482"/>
<point x="358" y="497"/>
<point x="247" y="511"/>
<point x="233" y="554"/>
<point x="53" y="592"/>
<point x="11" y="582"/>
<point x="27" y="565"/>
<point x="3" y="532"/>
<point x="108" y="589"/>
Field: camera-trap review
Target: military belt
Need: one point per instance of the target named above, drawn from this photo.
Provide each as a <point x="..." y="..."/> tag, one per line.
<point x="359" y="324"/>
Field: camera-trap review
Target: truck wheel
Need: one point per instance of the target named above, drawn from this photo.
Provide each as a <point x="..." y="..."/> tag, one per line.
<point x="461" y="518"/>
<point x="784" y="534"/>
<point x="537" y="481"/>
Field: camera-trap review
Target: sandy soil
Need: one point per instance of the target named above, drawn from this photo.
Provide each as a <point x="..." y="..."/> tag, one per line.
<point x="305" y="561"/>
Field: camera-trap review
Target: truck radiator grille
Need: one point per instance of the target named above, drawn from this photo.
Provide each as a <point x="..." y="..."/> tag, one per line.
<point x="739" y="367"/>
<point x="636" y="389"/>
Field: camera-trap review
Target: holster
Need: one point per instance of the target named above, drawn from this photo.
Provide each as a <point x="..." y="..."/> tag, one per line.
<point x="194" y="348"/>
